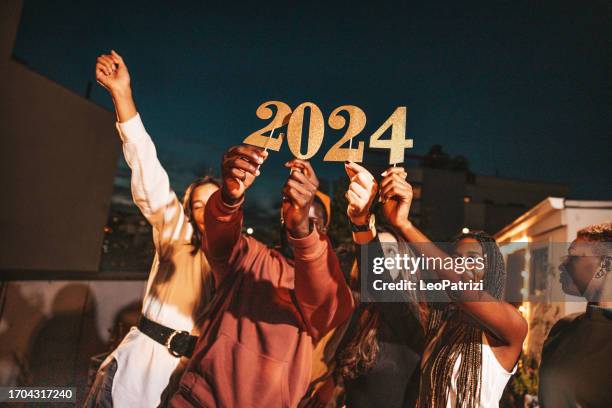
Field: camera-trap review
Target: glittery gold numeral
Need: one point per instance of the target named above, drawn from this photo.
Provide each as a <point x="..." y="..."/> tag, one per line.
<point x="356" y="123"/>
<point x="398" y="141"/>
<point x="315" y="131"/>
<point x="259" y="138"/>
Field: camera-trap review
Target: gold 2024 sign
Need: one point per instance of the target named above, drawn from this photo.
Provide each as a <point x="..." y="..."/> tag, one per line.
<point x="356" y="123"/>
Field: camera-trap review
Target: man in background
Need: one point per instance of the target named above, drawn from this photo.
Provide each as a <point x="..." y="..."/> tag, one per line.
<point x="576" y="368"/>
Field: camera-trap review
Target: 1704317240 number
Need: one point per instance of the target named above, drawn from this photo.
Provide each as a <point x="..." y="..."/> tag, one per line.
<point x="37" y="394"/>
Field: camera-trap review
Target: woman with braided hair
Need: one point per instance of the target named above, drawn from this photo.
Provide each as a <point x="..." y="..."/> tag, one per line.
<point x="474" y="339"/>
<point x="472" y="344"/>
<point x="458" y="346"/>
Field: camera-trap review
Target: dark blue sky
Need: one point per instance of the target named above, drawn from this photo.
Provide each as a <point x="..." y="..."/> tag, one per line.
<point x="518" y="87"/>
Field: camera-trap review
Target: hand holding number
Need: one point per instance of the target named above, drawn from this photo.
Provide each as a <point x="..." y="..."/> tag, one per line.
<point x="360" y="194"/>
<point x="300" y="190"/>
<point x="239" y="167"/>
<point x="396" y="196"/>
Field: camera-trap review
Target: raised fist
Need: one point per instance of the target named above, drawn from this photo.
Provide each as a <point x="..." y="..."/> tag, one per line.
<point x="239" y="167"/>
<point x="396" y="196"/>
<point x="299" y="193"/>
<point x="360" y="194"/>
<point x="112" y="73"/>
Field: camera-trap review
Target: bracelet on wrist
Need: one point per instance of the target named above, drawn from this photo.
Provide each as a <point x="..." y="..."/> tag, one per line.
<point x="370" y="224"/>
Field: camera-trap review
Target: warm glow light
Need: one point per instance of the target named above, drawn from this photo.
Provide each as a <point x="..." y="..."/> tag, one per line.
<point x="465" y="230"/>
<point x="249" y="230"/>
<point x="524" y="238"/>
<point x="524" y="310"/>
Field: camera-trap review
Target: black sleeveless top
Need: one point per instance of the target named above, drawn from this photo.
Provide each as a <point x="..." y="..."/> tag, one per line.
<point x="394" y="379"/>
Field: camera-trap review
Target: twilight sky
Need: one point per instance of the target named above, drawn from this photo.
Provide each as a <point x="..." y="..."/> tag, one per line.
<point x="521" y="88"/>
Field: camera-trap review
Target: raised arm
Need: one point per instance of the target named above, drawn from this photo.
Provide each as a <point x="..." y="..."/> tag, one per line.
<point x="226" y="247"/>
<point x="320" y="287"/>
<point x="321" y="291"/>
<point x="500" y="318"/>
<point x="360" y="195"/>
<point x="150" y="185"/>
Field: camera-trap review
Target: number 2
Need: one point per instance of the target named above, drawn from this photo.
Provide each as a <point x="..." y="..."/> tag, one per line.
<point x="356" y="123"/>
<point x="258" y="138"/>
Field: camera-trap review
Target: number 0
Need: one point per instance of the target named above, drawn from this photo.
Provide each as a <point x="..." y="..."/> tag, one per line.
<point x="315" y="131"/>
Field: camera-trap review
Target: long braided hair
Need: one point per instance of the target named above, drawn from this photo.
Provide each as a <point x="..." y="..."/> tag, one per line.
<point x="453" y="337"/>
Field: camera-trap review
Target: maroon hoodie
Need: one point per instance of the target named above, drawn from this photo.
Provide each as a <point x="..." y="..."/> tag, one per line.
<point x="256" y="345"/>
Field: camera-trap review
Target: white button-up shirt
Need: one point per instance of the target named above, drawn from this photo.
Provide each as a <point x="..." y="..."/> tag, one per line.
<point x="179" y="283"/>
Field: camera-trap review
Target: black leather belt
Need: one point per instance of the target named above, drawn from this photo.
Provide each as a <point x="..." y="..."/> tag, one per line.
<point x="179" y="343"/>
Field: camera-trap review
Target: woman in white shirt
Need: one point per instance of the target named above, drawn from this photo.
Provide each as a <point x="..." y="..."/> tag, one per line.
<point x="143" y="369"/>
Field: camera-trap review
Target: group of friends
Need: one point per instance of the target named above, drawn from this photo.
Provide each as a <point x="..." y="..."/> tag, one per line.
<point x="229" y="322"/>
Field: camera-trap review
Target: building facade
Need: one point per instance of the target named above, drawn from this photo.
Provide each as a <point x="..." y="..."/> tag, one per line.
<point x="446" y="201"/>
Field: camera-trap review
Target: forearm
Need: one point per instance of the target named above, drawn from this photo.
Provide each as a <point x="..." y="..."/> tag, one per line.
<point x="150" y="184"/>
<point x="498" y="317"/>
<point x="412" y="233"/>
<point x="321" y="291"/>
<point x="423" y="245"/>
<point x="223" y="231"/>
<point x="125" y="107"/>
<point x="312" y="268"/>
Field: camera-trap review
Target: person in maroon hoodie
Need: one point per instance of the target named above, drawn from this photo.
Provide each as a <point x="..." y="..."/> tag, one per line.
<point x="255" y="347"/>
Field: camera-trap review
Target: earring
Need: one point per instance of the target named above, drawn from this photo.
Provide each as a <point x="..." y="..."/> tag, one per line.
<point x="604" y="268"/>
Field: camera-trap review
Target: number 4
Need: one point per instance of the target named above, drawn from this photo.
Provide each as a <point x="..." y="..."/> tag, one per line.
<point x="398" y="141"/>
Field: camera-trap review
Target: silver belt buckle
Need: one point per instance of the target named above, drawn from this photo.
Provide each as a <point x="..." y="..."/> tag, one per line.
<point x="169" y="342"/>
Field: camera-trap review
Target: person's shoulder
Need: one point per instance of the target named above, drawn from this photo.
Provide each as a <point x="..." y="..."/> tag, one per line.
<point x="253" y="244"/>
<point x="562" y="326"/>
<point x="259" y="249"/>
<point x="567" y="321"/>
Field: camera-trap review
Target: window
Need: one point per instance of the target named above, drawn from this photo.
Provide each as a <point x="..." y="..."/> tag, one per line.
<point x="538" y="270"/>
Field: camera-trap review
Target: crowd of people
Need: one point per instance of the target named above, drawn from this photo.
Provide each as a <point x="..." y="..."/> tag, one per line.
<point x="230" y="322"/>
